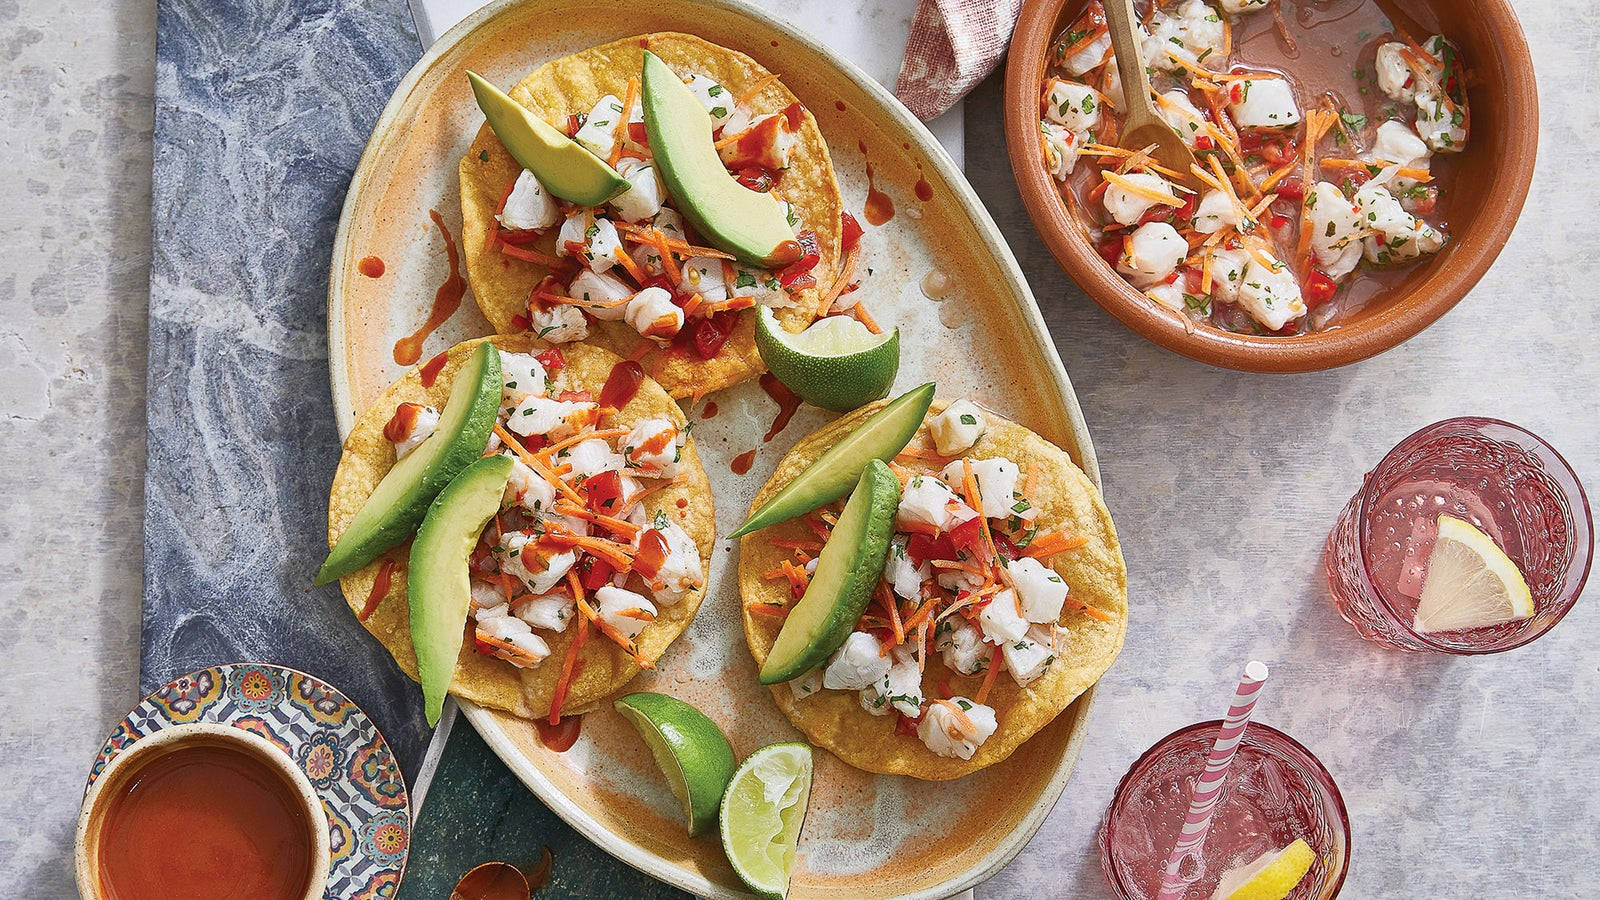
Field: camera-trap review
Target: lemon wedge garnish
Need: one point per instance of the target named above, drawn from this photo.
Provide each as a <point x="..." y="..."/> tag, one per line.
<point x="1471" y="583"/>
<point x="1271" y="877"/>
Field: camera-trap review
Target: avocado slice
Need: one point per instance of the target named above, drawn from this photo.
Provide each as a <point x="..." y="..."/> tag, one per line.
<point x="438" y="591"/>
<point x="564" y="166"/>
<point x="835" y="472"/>
<point x="847" y="571"/>
<point x="749" y="224"/>
<point x="401" y="499"/>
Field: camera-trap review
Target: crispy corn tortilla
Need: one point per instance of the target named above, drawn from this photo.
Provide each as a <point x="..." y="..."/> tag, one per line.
<point x="1066" y="499"/>
<point x="573" y="84"/>
<point x="484" y="679"/>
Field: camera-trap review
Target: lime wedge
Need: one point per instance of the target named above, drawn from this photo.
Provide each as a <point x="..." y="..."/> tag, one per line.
<point x="691" y="751"/>
<point x="762" y="813"/>
<point x="836" y="364"/>
<point x="1471" y="583"/>
<point x="1270" y="877"/>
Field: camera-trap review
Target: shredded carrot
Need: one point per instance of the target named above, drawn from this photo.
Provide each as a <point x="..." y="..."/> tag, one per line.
<point x="1139" y="190"/>
<point x="647" y="492"/>
<point x="549" y="452"/>
<point x="847" y="270"/>
<point x="755" y="88"/>
<point x="536" y="464"/>
<point x="988" y="678"/>
<point x="626" y="259"/>
<point x="1051" y="543"/>
<point x="620" y="556"/>
<point x="568" y="665"/>
<point x="926" y="453"/>
<point x="969" y="486"/>
<point x="922" y="614"/>
<point x="619" y="133"/>
<point x="1411" y="172"/>
<point x="962" y="719"/>
<point x="1031" y="480"/>
<point x="768" y="609"/>
<point x="526" y="255"/>
<point x="1318" y="121"/>
<point x="885" y="597"/>
<point x="1090" y="611"/>
<point x="593" y="616"/>
<point x="859" y="313"/>
<point x="506" y="646"/>
<point x="1083" y="43"/>
<point x="620" y="526"/>
<point x="787" y="544"/>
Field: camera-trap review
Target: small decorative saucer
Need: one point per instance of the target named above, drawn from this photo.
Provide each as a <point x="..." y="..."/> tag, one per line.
<point x="340" y="750"/>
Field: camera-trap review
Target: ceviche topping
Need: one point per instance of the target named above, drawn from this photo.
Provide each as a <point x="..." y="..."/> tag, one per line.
<point x="572" y="537"/>
<point x="967" y="578"/>
<point x="1306" y="197"/>
<point x="634" y="259"/>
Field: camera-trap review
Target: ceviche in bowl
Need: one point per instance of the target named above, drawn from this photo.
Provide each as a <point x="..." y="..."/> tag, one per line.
<point x="1356" y="168"/>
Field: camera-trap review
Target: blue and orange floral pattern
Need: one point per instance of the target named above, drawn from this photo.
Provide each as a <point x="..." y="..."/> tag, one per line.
<point x="338" y="747"/>
<point x="257" y="689"/>
<point x="374" y="771"/>
<point x="386" y="836"/>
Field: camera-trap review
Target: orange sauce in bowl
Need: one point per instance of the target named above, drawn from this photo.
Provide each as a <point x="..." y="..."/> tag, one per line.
<point x="202" y="822"/>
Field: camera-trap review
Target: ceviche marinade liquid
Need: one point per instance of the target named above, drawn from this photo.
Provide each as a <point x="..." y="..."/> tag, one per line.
<point x="1326" y="50"/>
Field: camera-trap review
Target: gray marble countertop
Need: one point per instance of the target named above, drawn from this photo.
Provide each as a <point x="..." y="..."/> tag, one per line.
<point x="1464" y="777"/>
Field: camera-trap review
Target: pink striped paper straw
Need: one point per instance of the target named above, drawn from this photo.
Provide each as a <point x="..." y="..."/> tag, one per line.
<point x="1208" y="789"/>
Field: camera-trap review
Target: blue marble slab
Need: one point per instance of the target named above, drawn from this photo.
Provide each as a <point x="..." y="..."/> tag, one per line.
<point x="262" y="110"/>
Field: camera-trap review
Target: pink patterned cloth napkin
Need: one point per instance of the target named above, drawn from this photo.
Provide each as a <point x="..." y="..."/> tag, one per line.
<point x="953" y="45"/>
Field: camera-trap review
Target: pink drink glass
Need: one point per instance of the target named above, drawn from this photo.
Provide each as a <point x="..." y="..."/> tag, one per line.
<point x="1276" y="792"/>
<point x="1508" y="483"/>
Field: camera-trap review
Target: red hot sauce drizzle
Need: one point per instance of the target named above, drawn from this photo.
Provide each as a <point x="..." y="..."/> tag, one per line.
<point x="562" y="735"/>
<point x="446" y="300"/>
<point x="430" y="372"/>
<point x="380" y="589"/>
<point x="878" y="208"/>
<point x="788" y="401"/>
<point x="622" y="384"/>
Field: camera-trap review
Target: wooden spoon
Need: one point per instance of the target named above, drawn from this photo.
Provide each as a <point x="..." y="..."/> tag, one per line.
<point x="1142" y="124"/>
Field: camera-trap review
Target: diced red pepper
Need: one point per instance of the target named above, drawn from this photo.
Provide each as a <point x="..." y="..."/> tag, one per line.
<point x="652" y="553"/>
<point x="602" y="493"/>
<point x="755" y="178"/>
<point x="968" y="538"/>
<point x="594" y="573"/>
<point x="1192" y="280"/>
<point x="1319" y="289"/>
<point x="1278" y="221"/>
<point x="905" y="724"/>
<point x="1110" y="248"/>
<point x="711" y="334"/>
<point x="519" y="322"/>
<point x="1204" y="142"/>
<point x="1004" y="547"/>
<point x="810" y="255"/>
<point x="849" y="232"/>
<point x="921" y="548"/>
<point x="575" y="122"/>
<point x="552" y="360"/>
<point x="1291" y="188"/>
<point x="637" y="133"/>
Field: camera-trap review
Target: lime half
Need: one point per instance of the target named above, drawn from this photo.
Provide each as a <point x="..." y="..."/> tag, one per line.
<point x="691" y="751"/>
<point x="1471" y="583"/>
<point x="762" y="813"/>
<point x="836" y="363"/>
<point x="1272" y="876"/>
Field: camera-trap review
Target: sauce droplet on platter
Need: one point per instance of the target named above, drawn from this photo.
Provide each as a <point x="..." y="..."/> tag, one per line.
<point x="935" y="285"/>
<point x="446" y="300"/>
<point x="370" y="266"/>
<point x="924" y="189"/>
<point x="562" y="735"/>
<point x="709" y="411"/>
<point x="493" y="881"/>
<point x="742" y="462"/>
<point x="788" y="401"/>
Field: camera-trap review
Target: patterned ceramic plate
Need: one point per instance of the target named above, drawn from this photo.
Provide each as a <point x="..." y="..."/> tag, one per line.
<point x="342" y="753"/>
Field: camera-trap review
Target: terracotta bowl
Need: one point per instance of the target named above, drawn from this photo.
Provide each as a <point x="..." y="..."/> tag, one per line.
<point x="1494" y="172"/>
